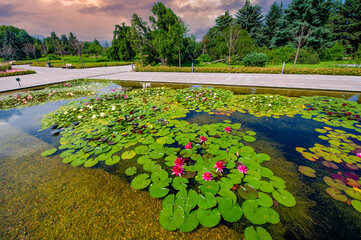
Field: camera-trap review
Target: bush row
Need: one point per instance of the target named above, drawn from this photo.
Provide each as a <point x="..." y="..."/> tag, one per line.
<point x="4" y="67"/>
<point x="16" y="73"/>
<point x="269" y="70"/>
<point x="78" y="65"/>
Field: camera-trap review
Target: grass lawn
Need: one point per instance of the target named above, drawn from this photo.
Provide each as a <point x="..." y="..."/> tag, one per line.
<point x="88" y="62"/>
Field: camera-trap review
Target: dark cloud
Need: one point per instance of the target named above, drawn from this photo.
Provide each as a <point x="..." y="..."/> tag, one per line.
<point x="7" y="10"/>
<point x="114" y="9"/>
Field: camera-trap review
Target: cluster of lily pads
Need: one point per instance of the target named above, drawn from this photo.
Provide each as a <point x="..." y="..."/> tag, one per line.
<point x="68" y="90"/>
<point x="203" y="173"/>
<point x="339" y="164"/>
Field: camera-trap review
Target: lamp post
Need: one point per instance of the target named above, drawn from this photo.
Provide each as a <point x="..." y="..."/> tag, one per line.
<point x="18" y="80"/>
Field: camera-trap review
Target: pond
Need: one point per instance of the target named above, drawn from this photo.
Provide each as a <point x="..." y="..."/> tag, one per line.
<point x="104" y="160"/>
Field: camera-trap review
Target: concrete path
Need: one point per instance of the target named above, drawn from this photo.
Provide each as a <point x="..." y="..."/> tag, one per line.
<point x="54" y="75"/>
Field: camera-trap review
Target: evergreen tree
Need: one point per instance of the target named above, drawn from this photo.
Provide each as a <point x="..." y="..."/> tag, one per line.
<point x="311" y="13"/>
<point x="121" y="48"/>
<point x="223" y="21"/>
<point x="250" y="18"/>
<point x="272" y="21"/>
<point x="346" y="24"/>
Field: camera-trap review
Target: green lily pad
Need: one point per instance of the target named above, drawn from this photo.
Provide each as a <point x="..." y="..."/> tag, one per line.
<point x="113" y="160"/>
<point x="67" y="153"/>
<point x="210" y="186"/>
<point x="356" y="204"/>
<point x="191" y="222"/>
<point x="171" y="219"/>
<point x="284" y="197"/>
<point x="354" y="194"/>
<point x="131" y="171"/>
<point x="158" y="189"/>
<point x="160" y="175"/>
<point x="91" y="162"/>
<point x="261" y="234"/>
<point x="249" y="138"/>
<point x="229" y="211"/>
<point x="180" y="183"/>
<point x="247" y="192"/>
<point x="141" y="181"/>
<point x="156" y="154"/>
<point x="128" y="154"/>
<point x="264" y="200"/>
<point x="307" y="171"/>
<point x="207" y="200"/>
<point x="48" y="152"/>
<point x="208" y="217"/>
<point x="191" y="201"/>
<point x="141" y="149"/>
<point x="253" y="213"/>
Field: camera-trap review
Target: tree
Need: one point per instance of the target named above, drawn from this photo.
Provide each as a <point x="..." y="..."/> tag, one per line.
<point x="78" y="46"/>
<point x="250" y="18"/>
<point x="10" y="49"/>
<point x="121" y="48"/>
<point x="223" y="21"/>
<point x="138" y="34"/>
<point x="178" y="33"/>
<point x="45" y="50"/>
<point x="28" y="48"/>
<point x="300" y="37"/>
<point x="272" y="21"/>
<point x="59" y="47"/>
<point x="346" y="23"/>
<point x="95" y="48"/>
<point x="231" y="35"/>
<point x="313" y="12"/>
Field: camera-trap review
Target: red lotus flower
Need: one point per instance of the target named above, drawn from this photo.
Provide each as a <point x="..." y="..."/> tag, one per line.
<point x="188" y="146"/>
<point x="179" y="162"/>
<point x="207" y="176"/>
<point x="330" y="113"/>
<point x="178" y="171"/>
<point x="203" y="139"/>
<point x="219" y="166"/>
<point x="344" y="104"/>
<point x="242" y="168"/>
<point x="228" y="129"/>
<point x="348" y="113"/>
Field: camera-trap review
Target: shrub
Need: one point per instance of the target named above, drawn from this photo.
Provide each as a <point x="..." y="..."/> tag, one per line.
<point x="54" y="57"/>
<point x="205" y="58"/>
<point x="236" y="60"/>
<point x="335" y="53"/>
<point x="4" y="67"/>
<point x="305" y="57"/>
<point x="16" y="73"/>
<point x="357" y="55"/>
<point x="255" y="60"/>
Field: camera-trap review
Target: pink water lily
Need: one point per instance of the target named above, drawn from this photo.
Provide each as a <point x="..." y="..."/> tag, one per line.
<point x="358" y="155"/>
<point x="219" y="166"/>
<point x="242" y="169"/>
<point x="228" y="129"/>
<point x="188" y="146"/>
<point x="177" y="170"/>
<point x="203" y="139"/>
<point x="126" y="96"/>
<point x="86" y="103"/>
<point x="179" y="162"/>
<point x="207" y="176"/>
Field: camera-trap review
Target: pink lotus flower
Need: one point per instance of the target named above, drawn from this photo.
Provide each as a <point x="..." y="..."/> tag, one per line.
<point x="29" y="97"/>
<point x="188" y="146"/>
<point x="242" y="169"/>
<point x="116" y="96"/>
<point x="177" y="170"/>
<point x="86" y="103"/>
<point x="203" y="139"/>
<point x="97" y="98"/>
<point x="113" y="90"/>
<point x="207" y="176"/>
<point x="228" y="129"/>
<point x="50" y="94"/>
<point x="54" y="91"/>
<point x="219" y="166"/>
<point x="179" y="162"/>
<point x="358" y="155"/>
<point x="126" y="96"/>
<point x="25" y="102"/>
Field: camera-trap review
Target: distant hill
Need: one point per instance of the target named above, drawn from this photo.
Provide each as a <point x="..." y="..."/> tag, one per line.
<point x="41" y="37"/>
<point x="103" y="43"/>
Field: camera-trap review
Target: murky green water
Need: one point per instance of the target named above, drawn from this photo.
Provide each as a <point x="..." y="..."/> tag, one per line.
<point x="42" y="197"/>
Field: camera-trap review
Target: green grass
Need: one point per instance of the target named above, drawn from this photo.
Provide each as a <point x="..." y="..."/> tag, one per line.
<point x="88" y="61"/>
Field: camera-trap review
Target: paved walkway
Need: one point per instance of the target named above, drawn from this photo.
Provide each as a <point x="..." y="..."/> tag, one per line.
<point x="54" y="75"/>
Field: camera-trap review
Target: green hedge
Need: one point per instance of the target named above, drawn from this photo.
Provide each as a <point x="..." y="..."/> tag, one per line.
<point x="268" y="70"/>
<point x="78" y="65"/>
<point x="16" y="73"/>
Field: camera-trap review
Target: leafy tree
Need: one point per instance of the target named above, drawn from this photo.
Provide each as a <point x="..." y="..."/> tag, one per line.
<point x="346" y="23"/>
<point x="95" y="48"/>
<point x="78" y="46"/>
<point x="231" y="35"/>
<point x="250" y="18"/>
<point x="223" y="21"/>
<point x="138" y="34"/>
<point x="313" y="12"/>
<point x="122" y="49"/>
<point x="10" y="45"/>
<point x="272" y="21"/>
<point x="299" y="38"/>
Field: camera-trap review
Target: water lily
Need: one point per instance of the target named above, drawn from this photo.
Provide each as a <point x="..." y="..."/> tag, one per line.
<point x="86" y="103"/>
<point x="203" y="139"/>
<point x="29" y="97"/>
<point x="188" y="146"/>
<point x="228" y="129"/>
<point x="219" y="166"/>
<point x="177" y="170"/>
<point x="358" y="155"/>
<point x="207" y="176"/>
<point x="97" y="98"/>
<point x="113" y="108"/>
<point x="242" y="169"/>
<point x="80" y="117"/>
<point x="65" y="113"/>
<point x="126" y="96"/>
<point x="102" y="114"/>
<point x="179" y="162"/>
<point x="94" y="116"/>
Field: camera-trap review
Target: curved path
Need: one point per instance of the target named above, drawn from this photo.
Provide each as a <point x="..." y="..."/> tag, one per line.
<point x="53" y="75"/>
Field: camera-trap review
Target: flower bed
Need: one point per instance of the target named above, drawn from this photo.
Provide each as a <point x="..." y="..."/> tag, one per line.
<point x="15" y="72"/>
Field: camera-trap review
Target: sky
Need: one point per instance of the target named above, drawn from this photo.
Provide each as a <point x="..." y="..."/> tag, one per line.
<point x="89" y="19"/>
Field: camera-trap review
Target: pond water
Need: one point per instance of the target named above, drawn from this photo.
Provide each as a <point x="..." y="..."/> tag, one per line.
<point x="183" y="161"/>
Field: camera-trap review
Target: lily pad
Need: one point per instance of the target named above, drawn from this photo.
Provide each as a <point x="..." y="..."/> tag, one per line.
<point x="180" y="183"/>
<point x="158" y="189"/>
<point x="284" y="197"/>
<point x="207" y="200"/>
<point x="128" y="154"/>
<point x="131" y="171"/>
<point x="171" y="219"/>
<point x="356" y="204"/>
<point x="208" y="217"/>
<point x="260" y="234"/>
<point x="229" y="211"/>
<point x="210" y="186"/>
<point x="307" y="171"/>
<point x="247" y="192"/>
<point x="48" y="152"/>
<point x="141" y="181"/>
<point x="113" y="160"/>
<point x="191" y="222"/>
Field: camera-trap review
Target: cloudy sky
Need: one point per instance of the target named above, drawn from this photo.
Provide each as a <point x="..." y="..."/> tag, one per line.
<point x="96" y="18"/>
